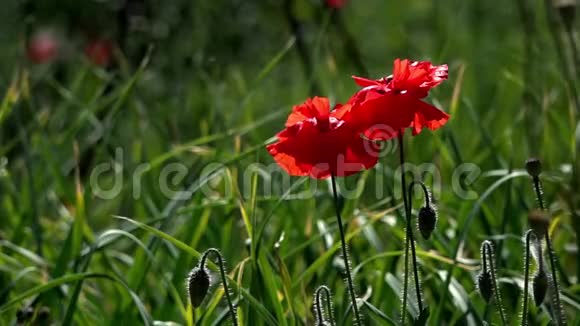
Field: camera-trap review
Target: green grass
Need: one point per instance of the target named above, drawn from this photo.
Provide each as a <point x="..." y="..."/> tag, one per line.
<point x="210" y="95"/>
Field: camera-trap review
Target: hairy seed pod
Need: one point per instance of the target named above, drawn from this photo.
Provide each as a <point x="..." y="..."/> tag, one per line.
<point x="534" y="167"/>
<point x="198" y="282"/>
<point x="485" y="285"/>
<point x="540" y="287"/>
<point x="427" y="221"/>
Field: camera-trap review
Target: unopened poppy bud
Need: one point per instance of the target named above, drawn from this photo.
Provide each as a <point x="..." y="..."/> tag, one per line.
<point x="197" y="285"/>
<point x="485" y="285"/>
<point x="540" y="287"/>
<point x="534" y="167"/>
<point x="539" y="221"/>
<point x="427" y="221"/>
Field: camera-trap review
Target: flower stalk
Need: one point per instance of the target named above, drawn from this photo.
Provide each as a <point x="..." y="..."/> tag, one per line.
<point x="409" y="239"/>
<point x="534" y="169"/>
<point x="200" y="273"/>
<point x="349" y="282"/>
<point x="530" y="235"/>
<point x="489" y="255"/>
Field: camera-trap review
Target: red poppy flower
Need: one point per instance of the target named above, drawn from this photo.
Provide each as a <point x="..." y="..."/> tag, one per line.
<point x="335" y="4"/>
<point x="99" y="52"/>
<point x="386" y="106"/>
<point x="318" y="142"/>
<point x="42" y="47"/>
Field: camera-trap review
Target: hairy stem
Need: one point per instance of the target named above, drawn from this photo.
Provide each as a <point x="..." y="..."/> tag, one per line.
<point x="222" y="269"/>
<point x="349" y="281"/>
<point x="552" y="256"/>
<point x="556" y="295"/>
<point x="498" y="299"/>
<point x="409" y="239"/>
<point x="319" y="310"/>
<point x="529" y="235"/>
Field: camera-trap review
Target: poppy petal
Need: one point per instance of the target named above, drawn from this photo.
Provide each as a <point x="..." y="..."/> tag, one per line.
<point x="426" y="115"/>
<point x="285" y="161"/>
<point x="312" y="108"/>
<point x="364" y="82"/>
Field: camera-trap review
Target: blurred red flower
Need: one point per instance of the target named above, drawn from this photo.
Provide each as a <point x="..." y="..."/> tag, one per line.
<point x="336" y="4"/>
<point x="99" y="52"/>
<point x="386" y="106"/>
<point x="318" y="142"/>
<point x="42" y="47"/>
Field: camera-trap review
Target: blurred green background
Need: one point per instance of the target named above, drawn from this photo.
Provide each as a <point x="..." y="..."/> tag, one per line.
<point x="139" y="84"/>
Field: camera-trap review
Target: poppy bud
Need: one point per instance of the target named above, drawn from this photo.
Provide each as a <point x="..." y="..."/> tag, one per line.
<point x="540" y="287"/>
<point x="534" y="167"/>
<point x="427" y="221"/>
<point x="198" y="282"/>
<point x="539" y="221"/>
<point x="485" y="286"/>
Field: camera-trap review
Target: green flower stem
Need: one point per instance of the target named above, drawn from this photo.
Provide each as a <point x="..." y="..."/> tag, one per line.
<point x="488" y="249"/>
<point x="231" y="306"/>
<point x="349" y="281"/>
<point x="552" y="256"/>
<point x="409" y="239"/>
<point x="529" y="235"/>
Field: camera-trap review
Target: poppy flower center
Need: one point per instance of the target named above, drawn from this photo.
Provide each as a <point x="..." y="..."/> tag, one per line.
<point x="326" y="123"/>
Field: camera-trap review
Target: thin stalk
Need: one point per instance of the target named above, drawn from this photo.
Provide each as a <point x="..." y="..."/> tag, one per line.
<point x="412" y="238"/>
<point x="224" y="281"/>
<point x="409" y="239"/>
<point x="551" y="255"/>
<point x="405" y="281"/>
<point x="529" y="235"/>
<point x="425" y="192"/>
<point x="557" y="305"/>
<point x="349" y="281"/>
<point x="538" y="189"/>
<point x="498" y="300"/>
